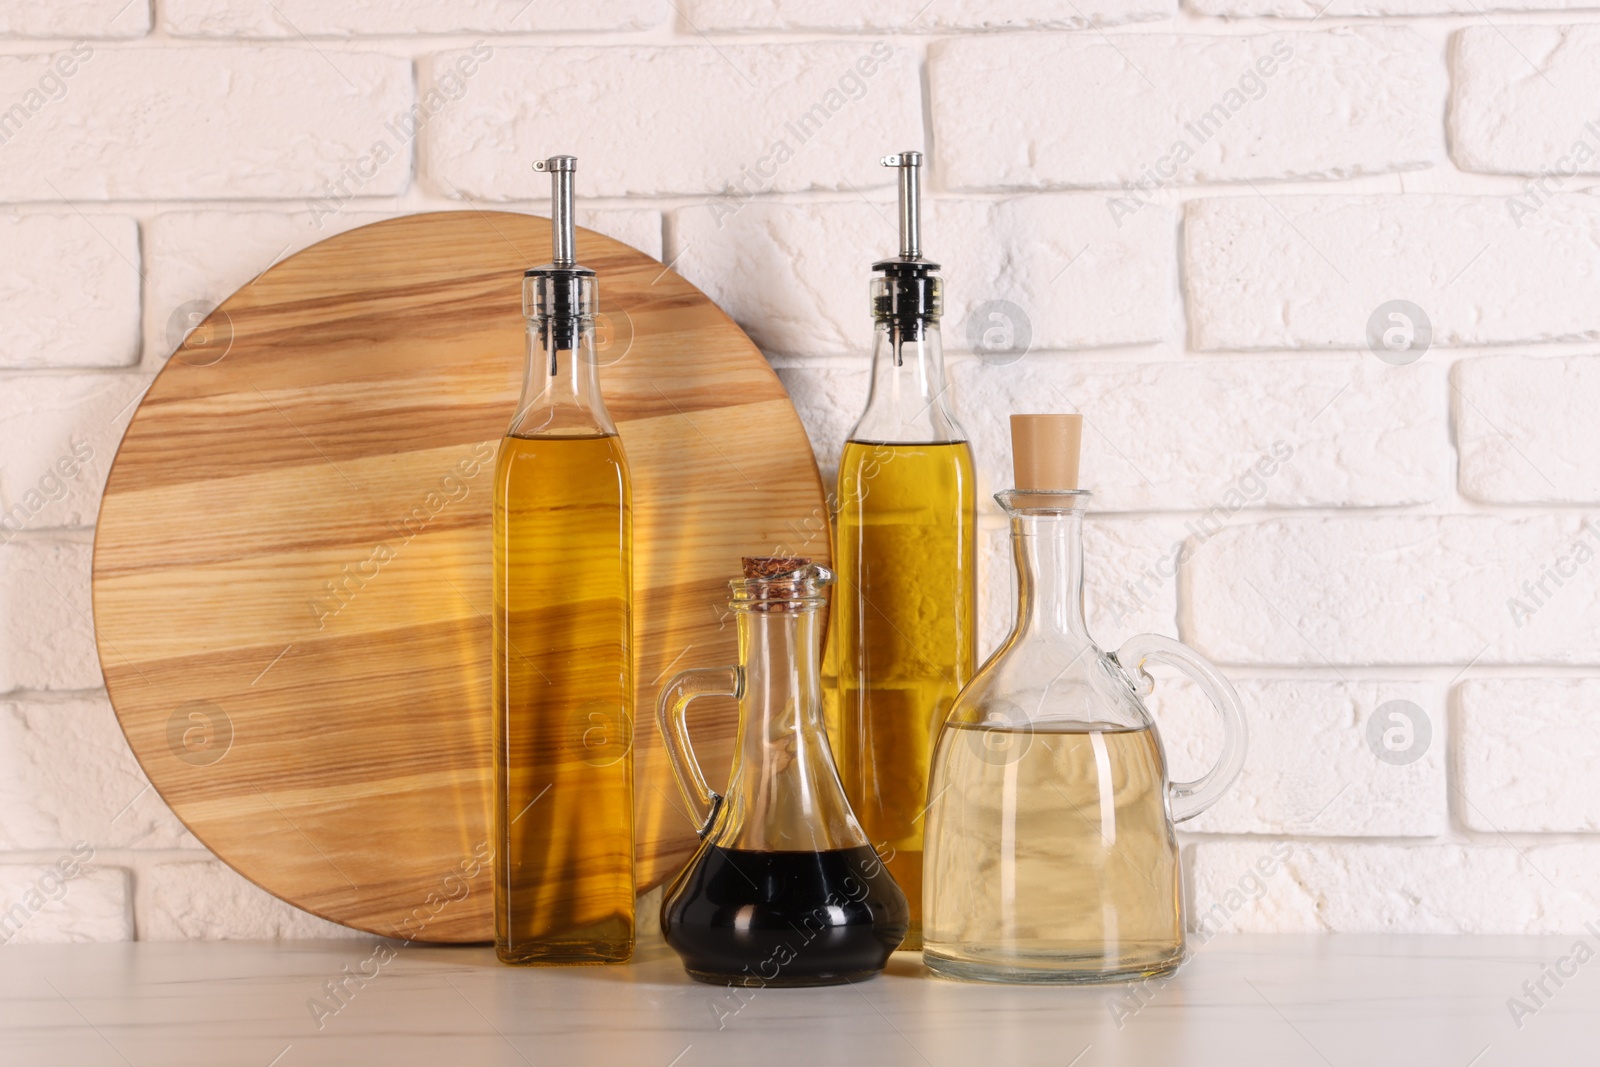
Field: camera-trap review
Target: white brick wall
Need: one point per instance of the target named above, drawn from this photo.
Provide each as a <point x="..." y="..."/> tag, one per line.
<point x="71" y="291"/>
<point x="1311" y="771"/>
<point x="1080" y="280"/>
<point x="59" y="901"/>
<point x="1194" y="209"/>
<point x="204" y="123"/>
<point x="317" y="18"/>
<point x="1525" y="429"/>
<point x="74" y="18"/>
<point x="1396" y="590"/>
<point x="916" y="16"/>
<point x="1309" y="271"/>
<point x="1529" y="746"/>
<point x="46" y="634"/>
<point x="1086" y="111"/>
<point x="1486" y="888"/>
<point x="66" y="775"/>
<point x="1524" y="101"/>
<point x="697" y="120"/>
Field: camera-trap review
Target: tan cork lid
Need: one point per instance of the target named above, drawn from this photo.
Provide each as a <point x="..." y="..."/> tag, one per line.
<point x="1044" y="450"/>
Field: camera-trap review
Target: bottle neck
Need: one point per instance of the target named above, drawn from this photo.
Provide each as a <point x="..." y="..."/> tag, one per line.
<point x="561" y="389"/>
<point x="908" y="399"/>
<point x="784" y="792"/>
<point x="1048" y="549"/>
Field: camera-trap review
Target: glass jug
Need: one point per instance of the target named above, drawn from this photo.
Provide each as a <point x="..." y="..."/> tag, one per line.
<point x="785" y="889"/>
<point x="1050" y="850"/>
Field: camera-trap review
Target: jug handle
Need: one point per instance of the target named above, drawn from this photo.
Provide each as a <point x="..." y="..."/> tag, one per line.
<point x="1188" y="799"/>
<point x="672" y="716"/>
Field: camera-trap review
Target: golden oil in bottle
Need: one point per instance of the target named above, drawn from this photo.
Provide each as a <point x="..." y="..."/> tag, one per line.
<point x="562" y="730"/>
<point x="905" y="639"/>
<point x="905" y="633"/>
<point x="563" y="674"/>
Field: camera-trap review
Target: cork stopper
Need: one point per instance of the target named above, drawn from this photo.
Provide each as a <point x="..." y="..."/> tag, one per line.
<point x="780" y="583"/>
<point x="1044" y="451"/>
<point x="763" y="567"/>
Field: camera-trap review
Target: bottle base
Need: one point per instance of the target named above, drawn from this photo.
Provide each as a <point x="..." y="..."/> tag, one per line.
<point x="1051" y="970"/>
<point x="567" y="954"/>
<point x="745" y="981"/>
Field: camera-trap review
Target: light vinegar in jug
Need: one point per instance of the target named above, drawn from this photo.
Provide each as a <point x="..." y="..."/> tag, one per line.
<point x="563" y="681"/>
<point x="1051" y="856"/>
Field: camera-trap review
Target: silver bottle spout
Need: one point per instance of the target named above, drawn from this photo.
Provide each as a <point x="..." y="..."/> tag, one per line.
<point x="910" y="166"/>
<point x="562" y="232"/>
<point x="560" y="294"/>
<point x="908" y="295"/>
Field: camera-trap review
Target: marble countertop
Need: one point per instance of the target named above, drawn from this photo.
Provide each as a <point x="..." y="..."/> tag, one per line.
<point x="1240" y="1001"/>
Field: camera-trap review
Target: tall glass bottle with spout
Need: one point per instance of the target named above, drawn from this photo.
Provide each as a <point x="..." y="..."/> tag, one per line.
<point x="563" y="679"/>
<point x="904" y="638"/>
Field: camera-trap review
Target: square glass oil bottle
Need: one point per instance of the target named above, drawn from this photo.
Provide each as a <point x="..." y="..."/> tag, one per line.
<point x="563" y="679"/>
<point x="904" y="639"/>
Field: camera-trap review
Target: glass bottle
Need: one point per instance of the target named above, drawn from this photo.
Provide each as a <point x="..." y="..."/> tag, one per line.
<point x="785" y="889"/>
<point x="1050" y="848"/>
<point x="563" y="678"/>
<point x="905" y="636"/>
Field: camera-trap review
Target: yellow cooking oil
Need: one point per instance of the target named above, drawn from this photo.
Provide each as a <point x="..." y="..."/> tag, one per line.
<point x="563" y="693"/>
<point x="905" y="639"/>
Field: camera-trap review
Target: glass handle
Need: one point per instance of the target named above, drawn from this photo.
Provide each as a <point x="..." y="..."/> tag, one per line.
<point x="672" y="715"/>
<point x="1189" y="799"/>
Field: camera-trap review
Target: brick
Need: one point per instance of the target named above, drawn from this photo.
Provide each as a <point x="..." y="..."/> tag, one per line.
<point x="1524" y="429"/>
<point x="61" y="432"/>
<point x="1172" y="109"/>
<point x="1526" y="753"/>
<point x="67" y="775"/>
<point x="1315" y="9"/>
<point x="69" y="291"/>
<point x="74" y="18"/>
<point x="1380" y="888"/>
<point x="351" y="18"/>
<point x="1309" y="271"/>
<point x="1523" y="101"/>
<point x="46" y="635"/>
<point x="1253" y="433"/>
<point x="279" y="122"/>
<point x="1310" y="771"/>
<point x="795" y="276"/>
<point x="915" y="16"/>
<point x="1395" y="590"/>
<point x="62" y="901"/>
<point x="203" y="900"/>
<point x="636" y="227"/>
<point x="683" y="120"/>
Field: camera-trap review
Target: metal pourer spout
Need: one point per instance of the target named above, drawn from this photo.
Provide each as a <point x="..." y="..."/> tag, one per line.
<point x="909" y="295"/>
<point x="562" y="233"/>
<point x="561" y="295"/>
<point x="910" y="165"/>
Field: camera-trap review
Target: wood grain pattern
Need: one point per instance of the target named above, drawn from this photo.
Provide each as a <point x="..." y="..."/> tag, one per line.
<point x="292" y="563"/>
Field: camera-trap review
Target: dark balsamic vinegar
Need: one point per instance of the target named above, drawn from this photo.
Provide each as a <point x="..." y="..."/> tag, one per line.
<point x="760" y="918"/>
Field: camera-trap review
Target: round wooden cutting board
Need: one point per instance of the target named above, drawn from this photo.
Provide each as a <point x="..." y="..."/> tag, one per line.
<point x="292" y="564"/>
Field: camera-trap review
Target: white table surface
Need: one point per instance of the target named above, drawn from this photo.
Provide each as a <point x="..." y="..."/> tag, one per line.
<point x="1240" y="1001"/>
